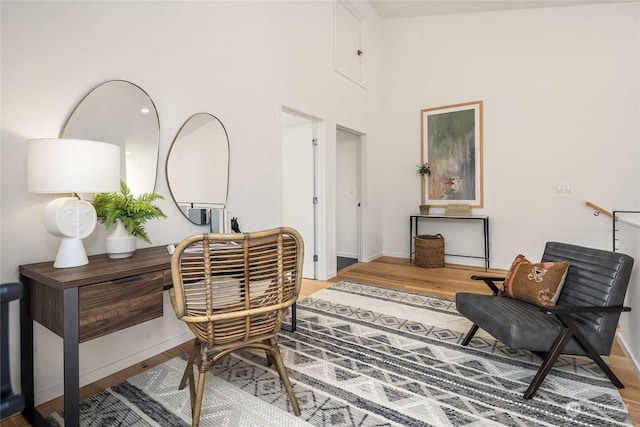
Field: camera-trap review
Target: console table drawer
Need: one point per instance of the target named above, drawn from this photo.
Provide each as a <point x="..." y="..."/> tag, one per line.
<point x="103" y="307"/>
<point x="112" y="306"/>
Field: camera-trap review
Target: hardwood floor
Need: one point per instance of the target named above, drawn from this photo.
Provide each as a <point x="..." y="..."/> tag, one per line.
<point x="395" y="273"/>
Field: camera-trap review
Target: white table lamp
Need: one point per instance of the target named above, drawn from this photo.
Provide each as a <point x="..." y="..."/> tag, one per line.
<point x="59" y="165"/>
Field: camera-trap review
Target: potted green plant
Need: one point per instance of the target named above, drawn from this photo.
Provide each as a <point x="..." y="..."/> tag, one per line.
<point x="424" y="169"/>
<point x="129" y="213"/>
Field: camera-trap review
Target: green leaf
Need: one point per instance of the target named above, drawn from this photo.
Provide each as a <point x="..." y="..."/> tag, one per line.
<point x="131" y="211"/>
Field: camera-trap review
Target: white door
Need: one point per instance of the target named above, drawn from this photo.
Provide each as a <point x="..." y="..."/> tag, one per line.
<point x="348" y="194"/>
<point x="299" y="200"/>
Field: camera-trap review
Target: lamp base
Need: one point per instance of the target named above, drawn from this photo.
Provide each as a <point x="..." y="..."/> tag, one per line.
<point x="73" y="220"/>
<point x="71" y="253"/>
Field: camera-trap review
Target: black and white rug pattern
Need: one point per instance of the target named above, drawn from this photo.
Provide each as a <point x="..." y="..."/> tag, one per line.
<point x="370" y="356"/>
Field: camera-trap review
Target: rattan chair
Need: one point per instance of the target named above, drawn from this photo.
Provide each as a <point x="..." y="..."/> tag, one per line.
<point x="233" y="292"/>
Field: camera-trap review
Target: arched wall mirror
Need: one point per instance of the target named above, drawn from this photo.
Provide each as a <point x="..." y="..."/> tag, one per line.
<point x="121" y="113"/>
<point x="198" y="167"/>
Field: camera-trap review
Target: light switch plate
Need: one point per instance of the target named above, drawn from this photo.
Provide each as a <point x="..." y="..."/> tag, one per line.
<point x="563" y="188"/>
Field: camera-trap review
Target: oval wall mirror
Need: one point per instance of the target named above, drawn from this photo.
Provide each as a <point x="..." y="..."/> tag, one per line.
<point x="198" y="167"/>
<point x="121" y="113"/>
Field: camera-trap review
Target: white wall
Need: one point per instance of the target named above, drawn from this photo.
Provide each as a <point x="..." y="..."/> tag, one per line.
<point x="560" y="88"/>
<point x="241" y="61"/>
<point x="628" y="236"/>
<point x="561" y="97"/>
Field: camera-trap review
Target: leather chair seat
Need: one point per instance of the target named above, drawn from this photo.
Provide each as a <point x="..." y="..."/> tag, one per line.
<point x="528" y="328"/>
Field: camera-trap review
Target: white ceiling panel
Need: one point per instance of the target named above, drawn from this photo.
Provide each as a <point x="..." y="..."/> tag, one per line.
<point x="413" y="8"/>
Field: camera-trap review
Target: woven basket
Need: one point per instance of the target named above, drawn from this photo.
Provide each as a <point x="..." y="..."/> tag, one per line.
<point x="429" y="251"/>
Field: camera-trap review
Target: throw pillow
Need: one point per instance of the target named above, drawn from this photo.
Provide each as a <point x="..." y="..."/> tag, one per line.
<point x="537" y="283"/>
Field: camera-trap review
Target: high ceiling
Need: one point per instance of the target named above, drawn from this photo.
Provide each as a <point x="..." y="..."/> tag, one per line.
<point x="411" y="8"/>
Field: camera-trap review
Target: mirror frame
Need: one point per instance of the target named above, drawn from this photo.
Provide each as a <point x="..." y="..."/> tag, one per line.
<point x="204" y="208"/>
<point x="155" y="112"/>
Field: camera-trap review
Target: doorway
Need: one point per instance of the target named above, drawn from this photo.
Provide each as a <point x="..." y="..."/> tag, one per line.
<point x="349" y="197"/>
<point x="299" y="141"/>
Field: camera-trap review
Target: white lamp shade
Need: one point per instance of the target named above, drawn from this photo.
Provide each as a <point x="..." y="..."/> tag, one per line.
<point x="60" y="165"/>
<point x="71" y="166"/>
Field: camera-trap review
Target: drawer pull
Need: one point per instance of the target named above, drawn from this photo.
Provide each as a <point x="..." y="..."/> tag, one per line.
<point x="126" y="279"/>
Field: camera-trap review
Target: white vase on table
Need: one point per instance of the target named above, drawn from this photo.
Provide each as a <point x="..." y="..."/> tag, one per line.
<point x="120" y="244"/>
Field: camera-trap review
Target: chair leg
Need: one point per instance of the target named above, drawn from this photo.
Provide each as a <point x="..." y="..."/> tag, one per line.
<point x="593" y="354"/>
<point x="196" y="406"/>
<point x="269" y="358"/>
<point x="276" y="358"/>
<point x="188" y="372"/>
<point x="470" y="334"/>
<point x="607" y="370"/>
<point x="548" y="362"/>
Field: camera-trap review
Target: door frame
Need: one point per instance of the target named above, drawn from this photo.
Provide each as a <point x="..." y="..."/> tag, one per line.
<point x="360" y="182"/>
<point x="317" y="248"/>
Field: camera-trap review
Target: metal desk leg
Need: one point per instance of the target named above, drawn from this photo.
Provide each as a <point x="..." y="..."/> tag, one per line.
<point x="71" y="358"/>
<point x="411" y="226"/>
<point x="486" y="244"/>
<point x="26" y="355"/>
<point x="293" y="319"/>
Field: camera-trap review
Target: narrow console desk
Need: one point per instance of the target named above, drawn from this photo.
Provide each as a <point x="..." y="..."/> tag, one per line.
<point x="413" y="231"/>
<point x="86" y="302"/>
<point x="82" y="303"/>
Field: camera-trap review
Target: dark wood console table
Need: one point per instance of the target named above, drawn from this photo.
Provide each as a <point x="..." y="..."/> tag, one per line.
<point x="82" y="303"/>
<point x="86" y="302"/>
<point x="413" y="231"/>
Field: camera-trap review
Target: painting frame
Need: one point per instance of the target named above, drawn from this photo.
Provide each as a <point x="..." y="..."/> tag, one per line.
<point x="451" y="144"/>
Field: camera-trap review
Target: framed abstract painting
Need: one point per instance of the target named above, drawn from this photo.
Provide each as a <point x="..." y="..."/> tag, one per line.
<point x="451" y="144"/>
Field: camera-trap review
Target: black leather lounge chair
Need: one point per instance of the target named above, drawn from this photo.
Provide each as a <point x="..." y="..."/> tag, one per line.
<point x="583" y="321"/>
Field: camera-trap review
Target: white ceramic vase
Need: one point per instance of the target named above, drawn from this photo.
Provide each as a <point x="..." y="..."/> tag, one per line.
<point x="119" y="243"/>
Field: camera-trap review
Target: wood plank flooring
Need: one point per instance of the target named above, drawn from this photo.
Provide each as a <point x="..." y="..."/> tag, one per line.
<point x="392" y="272"/>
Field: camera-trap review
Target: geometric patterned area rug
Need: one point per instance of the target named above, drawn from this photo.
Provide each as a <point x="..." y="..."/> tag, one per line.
<point x="364" y="355"/>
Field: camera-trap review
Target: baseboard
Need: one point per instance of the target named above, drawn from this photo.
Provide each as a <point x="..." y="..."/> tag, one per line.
<point x="453" y="260"/>
<point x="395" y="254"/>
<point x="57" y="390"/>
<point x="372" y="257"/>
<point x="627" y="351"/>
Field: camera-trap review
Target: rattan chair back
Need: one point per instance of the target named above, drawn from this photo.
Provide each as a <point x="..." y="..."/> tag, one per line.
<point x="233" y="291"/>
<point x="236" y="287"/>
